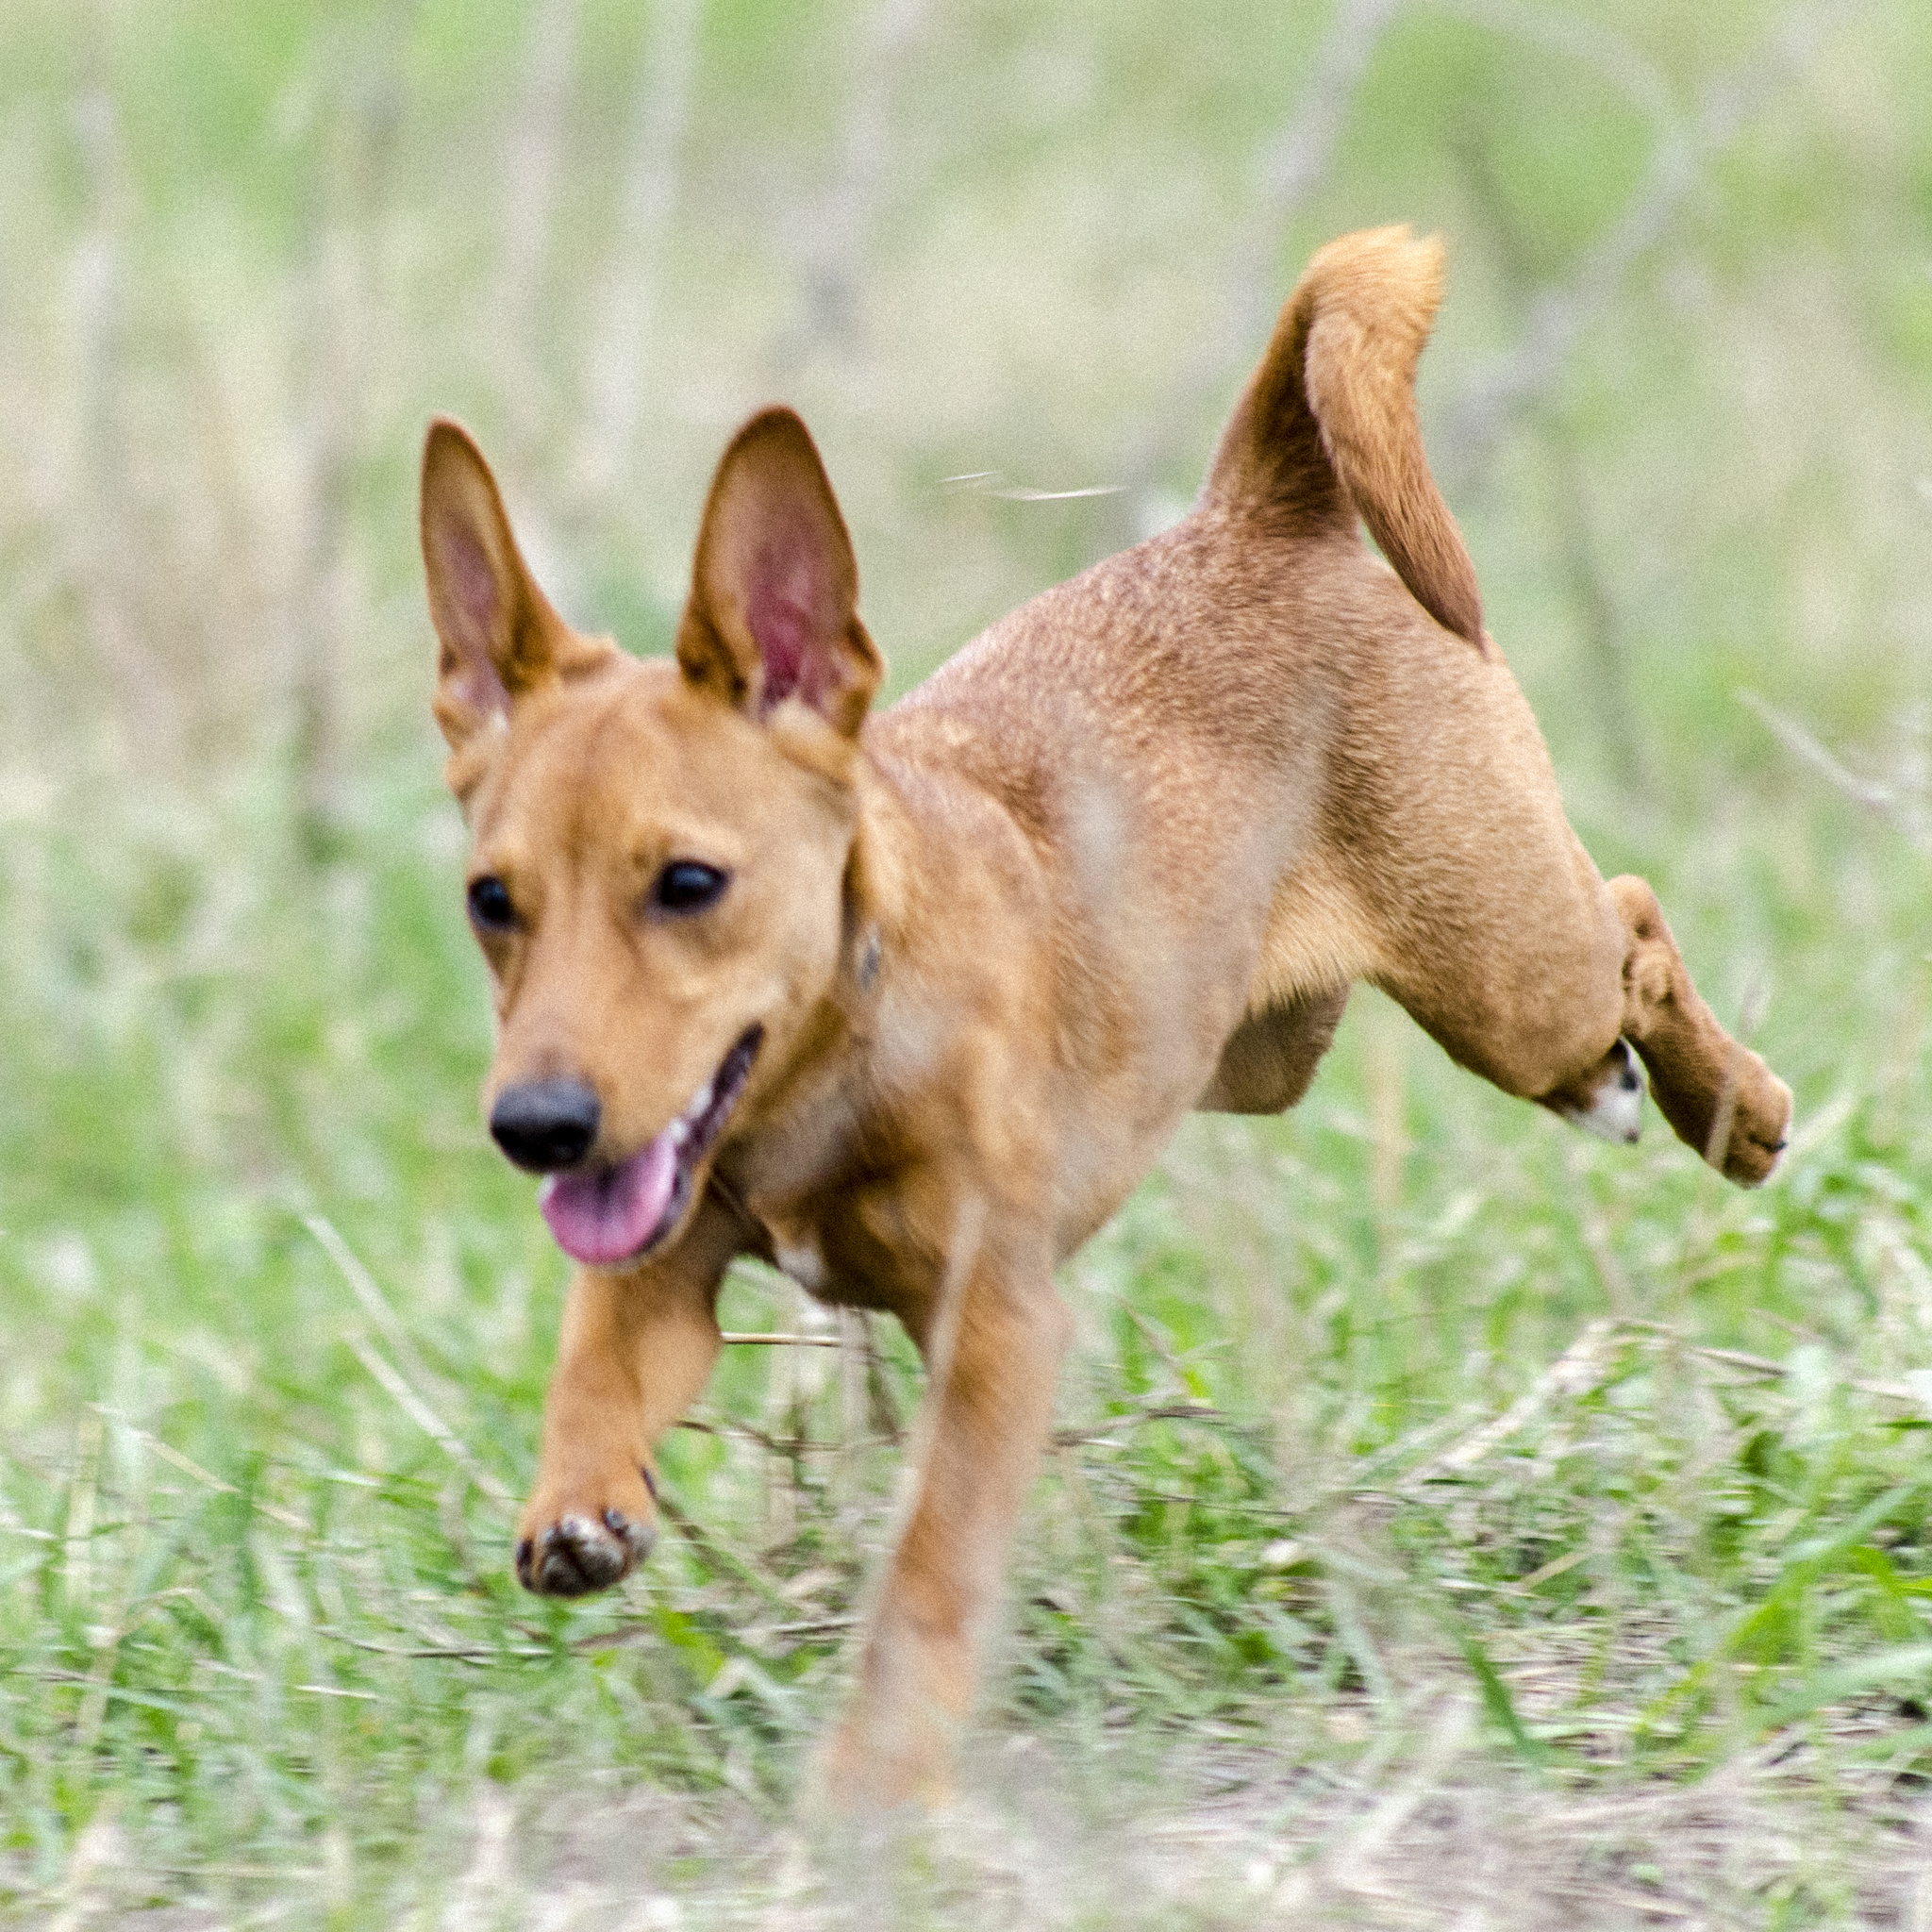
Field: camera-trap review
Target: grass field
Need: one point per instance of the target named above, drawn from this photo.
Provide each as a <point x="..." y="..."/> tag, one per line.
<point x="1451" y="1522"/>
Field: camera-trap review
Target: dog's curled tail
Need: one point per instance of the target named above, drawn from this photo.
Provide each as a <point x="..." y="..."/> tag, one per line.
<point x="1326" y="429"/>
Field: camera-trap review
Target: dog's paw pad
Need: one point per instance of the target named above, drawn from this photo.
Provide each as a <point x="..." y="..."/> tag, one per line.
<point x="578" y="1553"/>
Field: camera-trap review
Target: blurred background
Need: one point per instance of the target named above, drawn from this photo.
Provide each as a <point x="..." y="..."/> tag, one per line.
<point x="1012" y="262"/>
<point x="1678" y="393"/>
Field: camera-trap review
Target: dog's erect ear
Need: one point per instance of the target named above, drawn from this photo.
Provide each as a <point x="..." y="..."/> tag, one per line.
<point x="774" y="590"/>
<point x="499" y="634"/>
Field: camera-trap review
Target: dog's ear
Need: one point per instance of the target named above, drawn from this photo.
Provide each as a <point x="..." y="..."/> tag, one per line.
<point x="499" y="636"/>
<point x="774" y="590"/>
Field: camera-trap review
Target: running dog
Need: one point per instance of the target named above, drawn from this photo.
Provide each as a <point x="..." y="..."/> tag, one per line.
<point x="907" y="1003"/>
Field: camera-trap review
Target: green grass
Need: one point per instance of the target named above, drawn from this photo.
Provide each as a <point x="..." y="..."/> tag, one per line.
<point x="1409" y="1415"/>
<point x="1451" y="1522"/>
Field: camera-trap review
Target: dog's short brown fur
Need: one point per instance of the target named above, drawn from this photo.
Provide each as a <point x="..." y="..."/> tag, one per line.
<point x="1121" y="858"/>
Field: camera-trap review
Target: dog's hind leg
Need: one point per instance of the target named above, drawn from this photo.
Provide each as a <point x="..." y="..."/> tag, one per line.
<point x="1718" y="1095"/>
<point x="1558" y="1021"/>
<point x="1547" y="989"/>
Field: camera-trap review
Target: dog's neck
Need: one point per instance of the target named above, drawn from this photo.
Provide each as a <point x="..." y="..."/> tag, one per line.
<point x="875" y="884"/>
<point x="816" y="1115"/>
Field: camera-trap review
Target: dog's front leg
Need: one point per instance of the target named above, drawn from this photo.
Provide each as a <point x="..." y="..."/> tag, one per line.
<point x="636" y="1345"/>
<point x="991" y="1358"/>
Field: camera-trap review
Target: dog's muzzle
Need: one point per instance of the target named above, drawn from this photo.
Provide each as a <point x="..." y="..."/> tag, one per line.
<point x="610" y="1213"/>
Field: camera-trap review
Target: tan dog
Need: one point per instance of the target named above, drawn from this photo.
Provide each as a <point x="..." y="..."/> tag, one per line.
<point x="910" y="1003"/>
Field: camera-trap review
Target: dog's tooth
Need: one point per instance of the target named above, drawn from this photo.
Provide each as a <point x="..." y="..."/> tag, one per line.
<point x="678" y="1131"/>
<point x="700" y="1104"/>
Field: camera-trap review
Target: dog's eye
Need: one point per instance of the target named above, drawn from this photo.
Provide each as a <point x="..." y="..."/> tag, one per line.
<point x="490" y="908"/>
<point x="687" y="886"/>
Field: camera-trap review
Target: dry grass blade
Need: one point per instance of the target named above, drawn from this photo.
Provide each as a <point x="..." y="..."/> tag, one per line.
<point x="775" y="1339"/>
<point x="719" y="1555"/>
<point x="1906" y="805"/>
<point x="194" y="1471"/>
<point x="432" y="1426"/>
<point x="1578" y="1370"/>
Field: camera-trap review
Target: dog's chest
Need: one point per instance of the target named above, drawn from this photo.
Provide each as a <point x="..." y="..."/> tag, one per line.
<point x="841" y="1250"/>
<point x="798" y="1245"/>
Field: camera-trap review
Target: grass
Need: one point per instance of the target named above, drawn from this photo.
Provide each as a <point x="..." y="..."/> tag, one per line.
<point x="1440" y="1500"/>
<point x="1451" y="1522"/>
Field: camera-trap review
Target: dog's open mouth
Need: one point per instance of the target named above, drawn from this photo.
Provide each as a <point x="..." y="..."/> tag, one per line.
<point x="604" y="1215"/>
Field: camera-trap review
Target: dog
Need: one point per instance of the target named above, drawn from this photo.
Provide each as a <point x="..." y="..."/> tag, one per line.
<point x="907" y="1003"/>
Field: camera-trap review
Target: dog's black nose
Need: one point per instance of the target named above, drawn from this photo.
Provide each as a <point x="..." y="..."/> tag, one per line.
<point x="545" y="1124"/>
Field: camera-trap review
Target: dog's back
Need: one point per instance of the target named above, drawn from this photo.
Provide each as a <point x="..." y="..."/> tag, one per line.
<point x="1228" y="740"/>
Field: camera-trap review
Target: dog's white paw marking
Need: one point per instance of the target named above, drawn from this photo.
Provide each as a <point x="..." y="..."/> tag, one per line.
<point x="1616" y="1110"/>
<point x="803" y="1263"/>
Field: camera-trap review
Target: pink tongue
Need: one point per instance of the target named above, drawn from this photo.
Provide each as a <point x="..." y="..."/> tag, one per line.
<point x="604" y="1215"/>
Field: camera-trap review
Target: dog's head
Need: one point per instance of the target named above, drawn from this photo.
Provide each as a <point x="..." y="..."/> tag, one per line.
<point x="659" y="849"/>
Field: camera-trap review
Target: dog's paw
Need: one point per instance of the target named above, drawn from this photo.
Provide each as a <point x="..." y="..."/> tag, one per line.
<point x="868" y="1767"/>
<point x="1760" y="1124"/>
<point x="569" y="1551"/>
